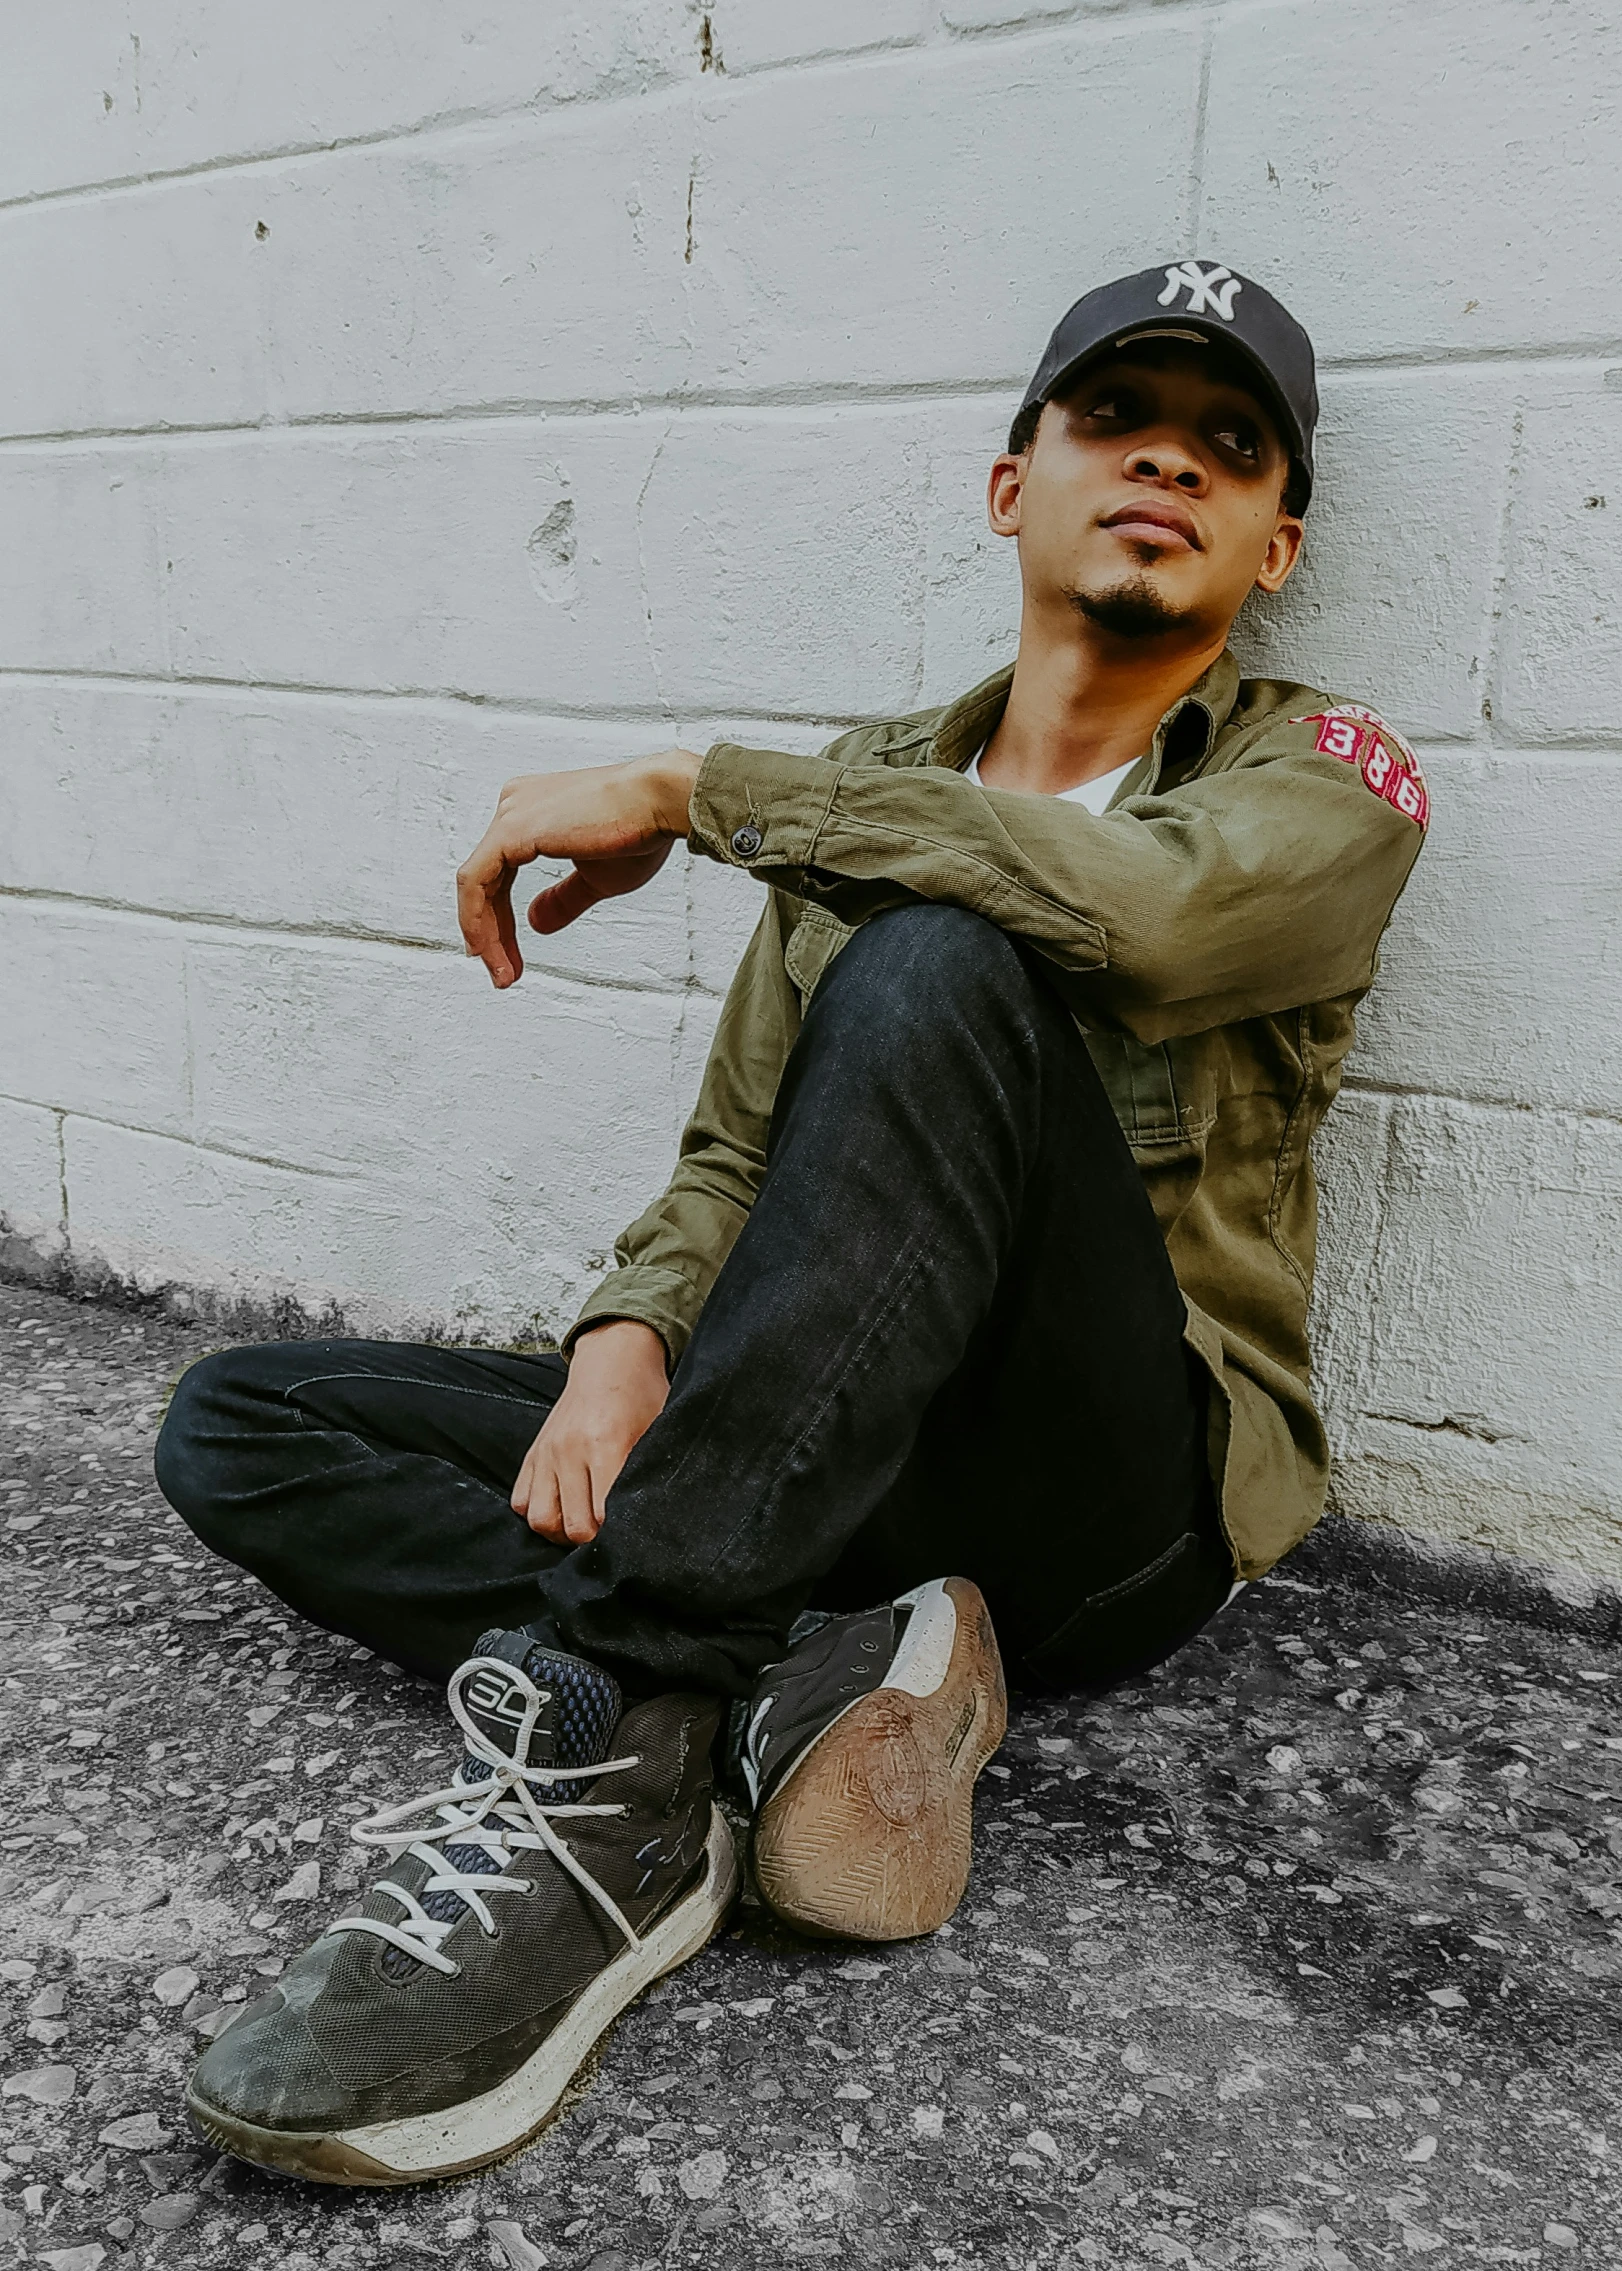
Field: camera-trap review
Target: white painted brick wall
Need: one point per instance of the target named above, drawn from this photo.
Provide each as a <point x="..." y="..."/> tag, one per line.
<point x="395" y="397"/>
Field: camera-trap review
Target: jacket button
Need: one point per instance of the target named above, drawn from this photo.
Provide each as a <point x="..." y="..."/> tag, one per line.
<point x="747" y="840"/>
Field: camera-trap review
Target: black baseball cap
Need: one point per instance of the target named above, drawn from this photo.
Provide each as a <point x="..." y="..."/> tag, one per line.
<point x="1194" y="299"/>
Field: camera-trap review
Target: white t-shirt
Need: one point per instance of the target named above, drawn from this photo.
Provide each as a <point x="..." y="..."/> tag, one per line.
<point x="1093" y="794"/>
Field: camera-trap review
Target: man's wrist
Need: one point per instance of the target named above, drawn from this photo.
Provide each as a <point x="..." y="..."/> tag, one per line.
<point x="622" y="1338"/>
<point x="672" y="776"/>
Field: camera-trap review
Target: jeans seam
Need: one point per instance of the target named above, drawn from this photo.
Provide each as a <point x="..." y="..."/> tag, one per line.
<point x="438" y="1387"/>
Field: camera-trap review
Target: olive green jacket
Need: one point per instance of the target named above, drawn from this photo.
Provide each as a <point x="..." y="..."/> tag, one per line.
<point x="1212" y="933"/>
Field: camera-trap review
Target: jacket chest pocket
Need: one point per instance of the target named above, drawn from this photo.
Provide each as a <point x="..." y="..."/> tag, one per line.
<point x="812" y="944"/>
<point x="1162" y="1093"/>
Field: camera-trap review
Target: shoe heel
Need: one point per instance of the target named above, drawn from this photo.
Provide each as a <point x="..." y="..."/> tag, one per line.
<point x="871" y="1836"/>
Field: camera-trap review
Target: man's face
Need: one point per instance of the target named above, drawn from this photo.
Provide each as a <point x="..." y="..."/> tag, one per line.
<point x="1150" y="501"/>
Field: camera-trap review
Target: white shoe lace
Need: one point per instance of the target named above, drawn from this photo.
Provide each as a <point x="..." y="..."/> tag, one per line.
<point x="468" y="1815"/>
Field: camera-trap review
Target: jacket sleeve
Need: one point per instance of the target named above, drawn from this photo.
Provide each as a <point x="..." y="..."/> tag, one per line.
<point x="670" y="1256"/>
<point x="1258" y="887"/>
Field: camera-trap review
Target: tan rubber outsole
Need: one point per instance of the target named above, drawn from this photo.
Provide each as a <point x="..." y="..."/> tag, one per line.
<point x="871" y="1836"/>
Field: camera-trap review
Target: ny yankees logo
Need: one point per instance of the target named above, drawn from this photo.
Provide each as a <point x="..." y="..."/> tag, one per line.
<point x="1214" y="287"/>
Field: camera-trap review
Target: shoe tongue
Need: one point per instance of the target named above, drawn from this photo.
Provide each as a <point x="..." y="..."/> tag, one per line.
<point x="579" y="1707"/>
<point x="573" y="1725"/>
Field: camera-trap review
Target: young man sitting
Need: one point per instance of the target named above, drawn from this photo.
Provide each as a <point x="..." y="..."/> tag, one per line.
<point x="979" y="1290"/>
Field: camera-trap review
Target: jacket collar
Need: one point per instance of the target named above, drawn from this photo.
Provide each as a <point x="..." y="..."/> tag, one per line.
<point x="1182" y="741"/>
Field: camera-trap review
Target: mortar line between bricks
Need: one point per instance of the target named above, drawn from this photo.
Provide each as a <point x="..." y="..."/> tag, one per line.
<point x="1603" y="744"/>
<point x="833" y="396"/>
<point x="501" y="705"/>
<point x="195" y="1143"/>
<point x="1499" y="1106"/>
<point x="242" y="931"/>
<point x="1082" y="24"/>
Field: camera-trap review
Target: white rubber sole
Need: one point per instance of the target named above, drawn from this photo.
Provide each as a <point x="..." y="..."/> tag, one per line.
<point x="488" y="2127"/>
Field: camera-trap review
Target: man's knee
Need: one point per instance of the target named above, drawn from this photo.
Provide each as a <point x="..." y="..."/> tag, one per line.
<point x="206" y="1420"/>
<point x="931" y="958"/>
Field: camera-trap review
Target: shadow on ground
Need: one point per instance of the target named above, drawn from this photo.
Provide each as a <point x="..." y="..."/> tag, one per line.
<point x="1302" y="1952"/>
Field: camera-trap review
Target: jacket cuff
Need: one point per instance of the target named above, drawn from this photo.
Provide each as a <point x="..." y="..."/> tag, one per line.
<point x="660" y="1299"/>
<point x="758" y="808"/>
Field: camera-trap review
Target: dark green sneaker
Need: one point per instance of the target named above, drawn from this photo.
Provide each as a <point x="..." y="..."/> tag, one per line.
<point x="436" y="2027"/>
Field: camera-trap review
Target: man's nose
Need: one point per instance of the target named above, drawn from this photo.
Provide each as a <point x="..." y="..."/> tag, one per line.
<point x="1169" y="465"/>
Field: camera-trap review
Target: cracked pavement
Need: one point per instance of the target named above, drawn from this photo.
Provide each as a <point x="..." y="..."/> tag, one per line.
<point x="1302" y="1952"/>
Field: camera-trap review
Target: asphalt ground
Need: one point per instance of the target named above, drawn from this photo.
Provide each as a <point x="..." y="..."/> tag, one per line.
<point x="1303" y="1951"/>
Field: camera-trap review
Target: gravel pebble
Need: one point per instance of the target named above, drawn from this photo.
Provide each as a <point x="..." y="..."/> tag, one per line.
<point x="171" y="2211"/>
<point x="44" y="2085"/>
<point x="137" y="2133"/>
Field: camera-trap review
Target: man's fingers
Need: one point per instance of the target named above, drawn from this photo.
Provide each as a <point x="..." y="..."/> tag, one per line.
<point x="563" y="902"/>
<point x="574" y="1494"/>
<point x="594" y="879"/>
<point x="545" y="1516"/>
<point x="484" y="910"/>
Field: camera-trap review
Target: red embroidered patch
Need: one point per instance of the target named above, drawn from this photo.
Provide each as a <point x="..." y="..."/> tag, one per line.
<point x="1388" y="766"/>
<point x="1410" y="795"/>
<point x="1340" y="737"/>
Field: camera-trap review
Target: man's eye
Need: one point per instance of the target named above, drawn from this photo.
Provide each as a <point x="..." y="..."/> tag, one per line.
<point x="1244" y="441"/>
<point x="1114" y="406"/>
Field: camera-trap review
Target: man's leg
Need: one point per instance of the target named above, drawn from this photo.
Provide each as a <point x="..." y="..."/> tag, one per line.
<point x="433" y="2026"/>
<point x="366" y="1483"/>
<point x="934" y="1105"/>
<point x="948" y="1337"/>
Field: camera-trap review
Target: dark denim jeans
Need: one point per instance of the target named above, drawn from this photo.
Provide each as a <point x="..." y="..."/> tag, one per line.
<point x="947" y="1340"/>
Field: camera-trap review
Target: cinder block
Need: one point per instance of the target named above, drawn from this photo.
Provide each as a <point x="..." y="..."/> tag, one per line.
<point x="1390" y="604"/>
<point x="749" y="35"/>
<point x="1500" y="1257"/>
<point x="135" y="310"/>
<point x="83" y="567"/>
<point x="30" y="1171"/>
<point x="497" y="559"/>
<point x="393" y="1142"/>
<point x="1440" y="179"/>
<point x="93" y="1014"/>
<point x="528" y="263"/>
<point x="118" y="92"/>
<point x="1487" y="1410"/>
<point x="410" y="1070"/>
<point x="971" y="598"/>
<point x="1501" y="966"/>
<point x="302" y="812"/>
<point x="1560" y="667"/>
<point x="162" y="1213"/>
<point x="683" y="563"/>
<point x="784" y="560"/>
<point x="932" y="216"/>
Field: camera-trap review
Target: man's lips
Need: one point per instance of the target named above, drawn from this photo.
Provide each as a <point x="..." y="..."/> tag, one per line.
<point x="1156" y="520"/>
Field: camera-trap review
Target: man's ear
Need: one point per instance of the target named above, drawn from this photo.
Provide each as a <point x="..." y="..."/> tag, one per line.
<point x="1004" y="492"/>
<point x="1283" y="551"/>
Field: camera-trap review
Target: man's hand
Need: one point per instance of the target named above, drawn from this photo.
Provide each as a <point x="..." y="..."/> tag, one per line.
<point x="616" y="822"/>
<point x="615" y="1391"/>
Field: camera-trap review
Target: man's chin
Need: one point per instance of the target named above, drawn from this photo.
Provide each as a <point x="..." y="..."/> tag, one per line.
<point x="1133" y="608"/>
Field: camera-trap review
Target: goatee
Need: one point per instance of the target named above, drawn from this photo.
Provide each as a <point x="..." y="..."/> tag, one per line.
<point x="1130" y="610"/>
